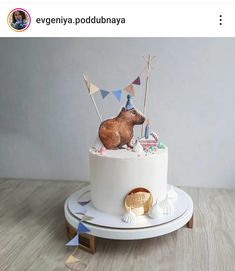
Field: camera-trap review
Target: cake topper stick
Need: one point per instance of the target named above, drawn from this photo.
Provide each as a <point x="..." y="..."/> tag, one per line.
<point x="149" y="63"/>
<point x="92" y="97"/>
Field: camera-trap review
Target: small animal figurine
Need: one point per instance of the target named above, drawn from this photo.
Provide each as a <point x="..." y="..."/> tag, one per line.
<point x="117" y="132"/>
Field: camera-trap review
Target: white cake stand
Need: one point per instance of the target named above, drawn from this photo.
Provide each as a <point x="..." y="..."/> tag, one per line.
<point x="111" y="226"/>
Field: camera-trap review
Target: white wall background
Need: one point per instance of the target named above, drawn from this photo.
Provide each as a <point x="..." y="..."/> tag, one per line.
<point x="47" y="121"/>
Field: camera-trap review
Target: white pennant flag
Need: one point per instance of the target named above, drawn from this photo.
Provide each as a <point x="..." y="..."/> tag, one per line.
<point x="93" y="89"/>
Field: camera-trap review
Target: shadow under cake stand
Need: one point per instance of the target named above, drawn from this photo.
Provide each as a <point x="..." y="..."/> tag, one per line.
<point x="110" y="226"/>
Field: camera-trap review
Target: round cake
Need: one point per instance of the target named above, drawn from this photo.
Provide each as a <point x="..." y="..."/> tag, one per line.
<point x="128" y="175"/>
<point x="114" y="173"/>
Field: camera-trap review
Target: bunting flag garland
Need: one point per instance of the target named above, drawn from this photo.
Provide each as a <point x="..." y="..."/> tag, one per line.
<point x="72" y="259"/>
<point x="92" y="88"/>
<point x="75" y="264"/>
<point x="130" y="89"/>
<point x="80" y="213"/>
<point x="104" y="93"/>
<point x="73" y="242"/>
<point x="82" y="228"/>
<point x="117" y="94"/>
<point x="87" y="217"/>
<point x="84" y="202"/>
<point x="80" y="209"/>
<point x="136" y="81"/>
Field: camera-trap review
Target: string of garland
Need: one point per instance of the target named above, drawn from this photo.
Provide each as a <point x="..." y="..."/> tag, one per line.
<point x="92" y="88"/>
<point x="73" y="262"/>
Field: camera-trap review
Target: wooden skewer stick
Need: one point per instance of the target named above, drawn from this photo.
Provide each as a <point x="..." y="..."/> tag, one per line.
<point x="146" y="89"/>
<point x="92" y="98"/>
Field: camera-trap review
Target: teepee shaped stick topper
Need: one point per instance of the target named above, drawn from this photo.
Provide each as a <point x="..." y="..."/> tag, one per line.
<point x="149" y="61"/>
<point x="92" y="89"/>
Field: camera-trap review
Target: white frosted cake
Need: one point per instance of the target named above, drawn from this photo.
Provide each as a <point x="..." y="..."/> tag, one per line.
<point x="128" y="179"/>
<point x="116" y="172"/>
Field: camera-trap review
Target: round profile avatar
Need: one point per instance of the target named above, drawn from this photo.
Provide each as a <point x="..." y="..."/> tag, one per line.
<point x="19" y="19"/>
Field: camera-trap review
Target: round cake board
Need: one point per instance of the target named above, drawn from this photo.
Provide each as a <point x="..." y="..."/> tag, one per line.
<point x="112" y="227"/>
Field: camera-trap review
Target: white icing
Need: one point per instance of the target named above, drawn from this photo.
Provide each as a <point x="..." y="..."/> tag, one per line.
<point x="97" y="144"/>
<point x="128" y="217"/>
<point x="171" y="194"/>
<point x="117" y="172"/>
<point x="155" y="211"/>
<point x="166" y="206"/>
<point x="124" y="154"/>
<point x="137" y="147"/>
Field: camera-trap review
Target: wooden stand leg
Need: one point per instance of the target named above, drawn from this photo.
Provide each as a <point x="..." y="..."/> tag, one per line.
<point x="87" y="241"/>
<point x="71" y="231"/>
<point x="190" y="223"/>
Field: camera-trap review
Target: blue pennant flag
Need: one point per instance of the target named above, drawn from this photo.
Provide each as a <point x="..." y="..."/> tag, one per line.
<point x="82" y="228"/>
<point x="74" y="242"/>
<point x="104" y="93"/>
<point x="117" y="94"/>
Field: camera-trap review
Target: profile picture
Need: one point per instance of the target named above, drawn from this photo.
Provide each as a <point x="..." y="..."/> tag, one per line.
<point x="19" y="19"/>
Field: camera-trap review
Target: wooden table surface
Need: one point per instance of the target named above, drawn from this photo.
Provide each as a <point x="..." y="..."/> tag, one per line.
<point x="33" y="234"/>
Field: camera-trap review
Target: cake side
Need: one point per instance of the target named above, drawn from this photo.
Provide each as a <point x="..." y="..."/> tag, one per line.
<point x="114" y="174"/>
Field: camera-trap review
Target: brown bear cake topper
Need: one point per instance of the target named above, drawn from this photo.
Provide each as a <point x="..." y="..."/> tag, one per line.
<point x="117" y="132"/>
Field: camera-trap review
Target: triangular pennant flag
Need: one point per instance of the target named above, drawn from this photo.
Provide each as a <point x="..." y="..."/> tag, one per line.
<point x="79" y="209"/>
<point x="87" y="217"/>
<point x="92" y="88"/>
<point x="130" y="89"/>
<point x="77" y="266"/>
<point x="72" y="259"/>
<point x="104" y="93"/>
<point x="82" y="228"/>
<point x="117" y="94"/>
<point x="74" y="242"/>
<point x="136" y="81"/>
<point x="84" y="202"/>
